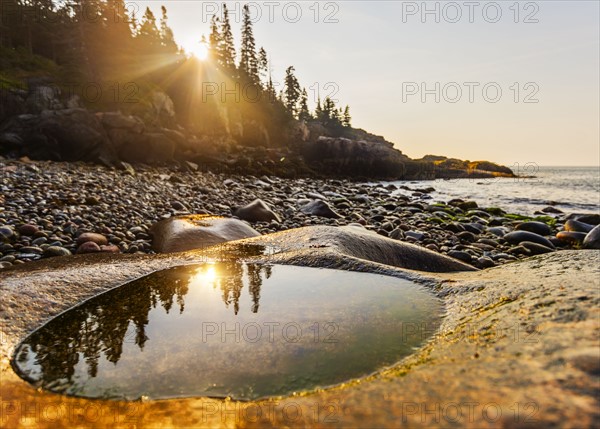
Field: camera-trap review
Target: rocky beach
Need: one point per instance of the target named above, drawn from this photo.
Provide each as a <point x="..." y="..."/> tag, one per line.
<point x="52" y="209"/>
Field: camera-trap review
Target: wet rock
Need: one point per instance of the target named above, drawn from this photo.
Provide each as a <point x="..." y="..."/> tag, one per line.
<point x="576" y="226"/>
<point x="467" y="205"/>
<point x="99" y="239"/>
<point x="88" y="247"/>
<point x="539" y="228"/>
<point x="256" y="211"/>
<point x="516" y="237"/>
<point x="552" y="210"/>
<point x="592" y="239"/>
<point x="191" y="232"/>
<point x="571" y="237"/>
<point x="319" y="208"/>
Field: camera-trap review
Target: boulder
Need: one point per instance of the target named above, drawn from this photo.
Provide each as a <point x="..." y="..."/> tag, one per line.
<point x="191" y="232"/>
<point x="354" y="157"/>
<point x="63" y="135"/>
<point x="112" y="120"/>
<point x="42" y="98"/>
<point x="256" y="211"/>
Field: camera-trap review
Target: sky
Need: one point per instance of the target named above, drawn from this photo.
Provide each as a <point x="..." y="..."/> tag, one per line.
<point x="509" y="82"/>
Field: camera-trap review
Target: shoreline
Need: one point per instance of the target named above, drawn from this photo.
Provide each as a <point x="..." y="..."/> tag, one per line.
<point x="63" y="200"/>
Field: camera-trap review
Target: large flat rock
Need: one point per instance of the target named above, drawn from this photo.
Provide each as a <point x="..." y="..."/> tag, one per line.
<point x="518" y="346"/>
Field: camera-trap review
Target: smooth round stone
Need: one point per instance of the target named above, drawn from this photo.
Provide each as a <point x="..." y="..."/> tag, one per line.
<point x="6" y="232"/>
<point x="28" y="229"/>
<point x="88" y="247"/>
<point x="460" y="255"/>
<point x="519" y="250"/>
<point x="576" y="226"/>
<point x="516" y="237"/>
<point x="415" y="235"/>
<point x="484" y="262"/>
<point x="256" y="211"/>
<point x="110" y="248"/>
<point x="592" y="219"/>
<point x="473" y="227"/>
<point x="571" y="237"/>
<point x="99" y="239"/>
<point x="31" y="249"/>
<point x="39" y="241"/>
<point x="539" y="228"/>
<point x="5" y="264"/>
<point x="53" y="251"/>
<point x="592" y="239"/>
<point x="8" y="258"/>
<point x="535" y="248"/>
<point x="551" y="209"/>
<point x="467" y="236"/>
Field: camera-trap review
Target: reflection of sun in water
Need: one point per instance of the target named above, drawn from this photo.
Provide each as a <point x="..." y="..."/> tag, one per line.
<point x="204" y="277"/>
<point x="199" y="50"/>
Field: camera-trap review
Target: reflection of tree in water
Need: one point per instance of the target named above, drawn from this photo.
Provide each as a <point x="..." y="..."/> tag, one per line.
<point x="100" y="325"/>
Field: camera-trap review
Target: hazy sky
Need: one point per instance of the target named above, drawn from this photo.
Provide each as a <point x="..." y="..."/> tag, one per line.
<point x="514" y="84"/>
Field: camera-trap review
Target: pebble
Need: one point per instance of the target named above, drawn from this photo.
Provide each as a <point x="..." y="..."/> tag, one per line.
<point x="99" y="239"/>
<point x="28" y="229"/>
<point x="460" y="255"/>
<point x="319" y="208"/>
<point x="516" y="237"/>
<point x="576" y="226"/>
<point x="120" y="208"/>
<point x="89" y="247"/>
<point x="539" y="228"/>
<point x="535" y="248"/>
<point x="52" y="251"/>
<point x="571" y="237"/>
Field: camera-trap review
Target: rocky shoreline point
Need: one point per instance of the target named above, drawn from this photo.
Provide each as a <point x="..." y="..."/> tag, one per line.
<point x="50" y="209"/>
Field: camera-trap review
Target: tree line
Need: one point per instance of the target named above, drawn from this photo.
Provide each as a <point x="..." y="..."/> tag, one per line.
<point x="101" y="40"/>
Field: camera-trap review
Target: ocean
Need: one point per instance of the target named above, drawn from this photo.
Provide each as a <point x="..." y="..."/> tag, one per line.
<point x="570" y="189"/>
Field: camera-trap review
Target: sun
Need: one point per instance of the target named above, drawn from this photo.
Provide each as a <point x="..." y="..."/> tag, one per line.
<point x="199" y="50"/>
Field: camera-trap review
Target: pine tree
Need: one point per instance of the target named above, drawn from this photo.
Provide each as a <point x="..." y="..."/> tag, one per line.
<point x="149" y="35"/>
<point x="346" y="121"/>
<point x="227" y="46"/>
<point x="263" y="64"/>
<point x="319" y="112"/>
<point x="248" y="60"/>
<point x="304" y="114"/>
<point x="215" y="42"/>
<point x="166" y="34"/>
<point x="271" y="93"/>
<point x="291" y="92"/>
